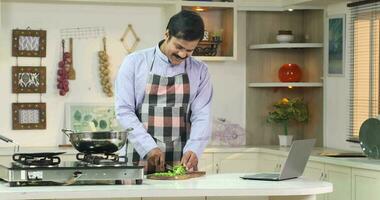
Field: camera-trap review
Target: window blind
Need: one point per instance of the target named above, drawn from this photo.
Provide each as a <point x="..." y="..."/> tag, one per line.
<point x="364" y="64"/>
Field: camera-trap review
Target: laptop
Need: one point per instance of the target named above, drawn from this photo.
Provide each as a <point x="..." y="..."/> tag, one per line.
<point x="294" y="165"/>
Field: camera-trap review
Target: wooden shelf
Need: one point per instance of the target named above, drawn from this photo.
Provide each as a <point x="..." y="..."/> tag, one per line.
<point x="288" y="84"/>
<point x="215" y="58"/>
<point x="208" y="4"/>
<point x="285" y="45"/>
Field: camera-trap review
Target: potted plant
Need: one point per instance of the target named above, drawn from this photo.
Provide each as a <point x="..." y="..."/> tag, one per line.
<point x="286" y="110"/>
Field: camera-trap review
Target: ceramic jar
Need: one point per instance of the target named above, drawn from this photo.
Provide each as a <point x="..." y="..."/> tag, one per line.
<point x="284" y="36"/>
<point x="289" y="73"/>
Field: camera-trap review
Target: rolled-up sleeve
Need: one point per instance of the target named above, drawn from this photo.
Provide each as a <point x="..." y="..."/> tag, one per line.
<point x="125" y="108"/>
<point x="201" y="116"/>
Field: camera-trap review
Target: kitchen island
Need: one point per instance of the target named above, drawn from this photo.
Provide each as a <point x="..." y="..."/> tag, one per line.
<point x="214" y="185"/>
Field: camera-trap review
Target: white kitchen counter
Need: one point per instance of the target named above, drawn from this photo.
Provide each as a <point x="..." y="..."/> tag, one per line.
<point x="209" y="185"/>
<point x="363" y="163"/>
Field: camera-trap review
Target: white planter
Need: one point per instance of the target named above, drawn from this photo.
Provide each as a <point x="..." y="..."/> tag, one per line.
<point x="285" y="140"/>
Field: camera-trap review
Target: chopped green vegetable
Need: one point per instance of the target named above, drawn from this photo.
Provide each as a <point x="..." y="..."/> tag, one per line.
<point x="177" y="170"/>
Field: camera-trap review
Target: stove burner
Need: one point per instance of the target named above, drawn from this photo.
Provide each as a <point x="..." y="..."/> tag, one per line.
<point x="37" y="159"/>
<point x="101" y="159"/>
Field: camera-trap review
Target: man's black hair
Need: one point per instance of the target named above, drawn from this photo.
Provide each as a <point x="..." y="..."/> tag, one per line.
<point x="186" y="25"/>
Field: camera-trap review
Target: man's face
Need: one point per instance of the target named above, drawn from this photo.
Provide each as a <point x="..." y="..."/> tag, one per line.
<point x="177" y="50"/>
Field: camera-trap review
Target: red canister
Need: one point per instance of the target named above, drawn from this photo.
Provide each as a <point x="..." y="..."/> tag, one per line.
<point x="289" y="73"/>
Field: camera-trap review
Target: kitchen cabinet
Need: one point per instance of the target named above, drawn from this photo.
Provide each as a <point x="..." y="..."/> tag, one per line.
<point x="265" y="56"/>
<point x="365" y="184"/>
<point x="172" y="198"/>
<point x="339" y="176"/>
<point x="237" y="198"/>
<point x="270" y="162"/>
<point x="236" y="162"/>
<point x="206" y="163"/>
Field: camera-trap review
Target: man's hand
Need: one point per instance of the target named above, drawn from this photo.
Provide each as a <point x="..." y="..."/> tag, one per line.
<point x="156" y="159"/>
<point x="190" y="161"/>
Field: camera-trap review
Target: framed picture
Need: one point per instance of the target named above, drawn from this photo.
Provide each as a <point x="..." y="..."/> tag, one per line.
<point x="28" y="43"/>
<point x="29" y="116"/>
<point x="28" y="79"/>
<point x="336" y="45"/>
<point x="90" y="117"/>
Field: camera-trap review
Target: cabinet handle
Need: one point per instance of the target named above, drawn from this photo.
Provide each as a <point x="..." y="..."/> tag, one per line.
<point x="321" y="177"/>
<point x="325" y="178"/>
<point x="217" y="168"/>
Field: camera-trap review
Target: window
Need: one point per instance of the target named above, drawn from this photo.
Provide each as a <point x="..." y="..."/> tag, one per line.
<point x="364" y="64"/>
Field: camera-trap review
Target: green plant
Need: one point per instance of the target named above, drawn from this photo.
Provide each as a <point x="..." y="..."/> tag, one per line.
<point x="286" y="110"/>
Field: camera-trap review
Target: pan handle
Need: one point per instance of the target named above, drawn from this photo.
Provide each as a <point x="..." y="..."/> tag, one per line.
<point x="7" y="140"/>
<point x="67" y="132"/>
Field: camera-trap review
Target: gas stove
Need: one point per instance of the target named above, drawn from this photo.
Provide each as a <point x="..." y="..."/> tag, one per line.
<point x="29" y="169"/>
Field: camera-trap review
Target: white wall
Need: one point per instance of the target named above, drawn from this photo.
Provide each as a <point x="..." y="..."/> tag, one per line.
<point x="337" y="93"/>
<point x="228" y="77"/>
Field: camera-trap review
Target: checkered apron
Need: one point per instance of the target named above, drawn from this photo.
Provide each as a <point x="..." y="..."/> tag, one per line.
<point x="164" y="116"/>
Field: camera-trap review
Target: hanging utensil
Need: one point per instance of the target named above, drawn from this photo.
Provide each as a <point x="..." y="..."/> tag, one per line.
<point x="7" y="140"/>
<point x="71" y="69"/>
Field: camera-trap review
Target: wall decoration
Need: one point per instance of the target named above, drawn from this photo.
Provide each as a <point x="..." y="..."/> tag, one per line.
<point x="29" y="79"/>
<point x="226" y="133"/>
<point x="336" y="46"/>
<point x="124" y="39"/>
<point x="104" y="71"/>
<point x="83" y="32"/>
<point x="91" y="117"/>
<point x="28" y="43"/>
<point x="29" y="116"/>
<point x="205" y="36"/>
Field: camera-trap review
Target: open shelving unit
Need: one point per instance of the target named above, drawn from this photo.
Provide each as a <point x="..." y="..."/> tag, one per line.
<point x="265" y="56"/>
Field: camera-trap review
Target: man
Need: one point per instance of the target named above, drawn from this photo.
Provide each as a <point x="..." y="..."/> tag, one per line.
<point x="165" y="95"/>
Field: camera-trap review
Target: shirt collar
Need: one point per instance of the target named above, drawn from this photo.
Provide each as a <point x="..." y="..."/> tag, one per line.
<point x="160" y="54"/>
<point x="163" y="57"/>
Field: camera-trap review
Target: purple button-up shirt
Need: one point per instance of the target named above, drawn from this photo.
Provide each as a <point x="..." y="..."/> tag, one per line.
<point x="130" y="90"/>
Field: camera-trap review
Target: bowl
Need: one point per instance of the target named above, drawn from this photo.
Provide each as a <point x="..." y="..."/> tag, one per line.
<point x="284" y="38"/>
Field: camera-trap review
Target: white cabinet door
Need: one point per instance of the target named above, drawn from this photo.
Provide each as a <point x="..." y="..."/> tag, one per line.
<point x="237" y="198"/>
<point x="340" y="177"/>
<point x="235" y="162"/>
<point x="173" y="198"/>
<point x="315" y="171"/>
<point x="269" y="163"/>
<point x="365" y="184"/>
<point x="206" y="163"/>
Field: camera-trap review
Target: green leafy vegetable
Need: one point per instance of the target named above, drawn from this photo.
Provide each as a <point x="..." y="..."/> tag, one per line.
<point x="176" y="171"/>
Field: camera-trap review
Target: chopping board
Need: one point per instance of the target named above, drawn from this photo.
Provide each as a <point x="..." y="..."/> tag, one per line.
<point x="188" y="175"/>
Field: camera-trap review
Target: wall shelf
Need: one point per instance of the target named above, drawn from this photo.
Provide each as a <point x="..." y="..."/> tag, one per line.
<point x="216" y="58"/>
<point x="208" y="4"/>
<point x="285" y="45"/>
<point x="281" y="84"/>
